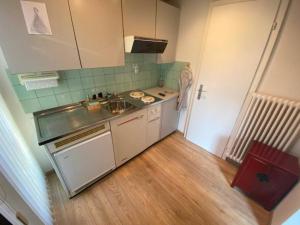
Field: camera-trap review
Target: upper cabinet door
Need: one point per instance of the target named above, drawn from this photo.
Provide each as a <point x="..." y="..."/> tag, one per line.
<point x="167" y="24"/>
<point x="139" y="17"/>
<point x="99" y="32"/>
<point x="38" y="52"/>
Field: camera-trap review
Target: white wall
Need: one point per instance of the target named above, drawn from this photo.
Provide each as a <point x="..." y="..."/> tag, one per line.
<point x="24" y="121"/>
<point x="283" y="73"/>
<point x="21" y="169"/>
<point x="282" y="77"/>
<point x="193" y="16"/>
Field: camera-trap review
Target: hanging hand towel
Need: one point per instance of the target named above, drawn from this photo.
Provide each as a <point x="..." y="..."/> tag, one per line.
<point x="185" y="82"/>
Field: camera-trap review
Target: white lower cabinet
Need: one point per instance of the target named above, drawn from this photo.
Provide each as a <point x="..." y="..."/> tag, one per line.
<point x="153" y="125"/>
<point x="133" y="133"/>
<point x="169" y="117"/>
<point x="129" y="135"/>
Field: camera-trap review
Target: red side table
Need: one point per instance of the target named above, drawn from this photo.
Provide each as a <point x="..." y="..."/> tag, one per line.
<point x="267" y="174"/>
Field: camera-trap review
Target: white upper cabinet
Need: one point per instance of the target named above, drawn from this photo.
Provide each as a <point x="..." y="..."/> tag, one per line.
<point x="37" y="52"/>
<point x="99" y="32"/>
<point x="139" y="17"/>
<point x="167" y="24"/>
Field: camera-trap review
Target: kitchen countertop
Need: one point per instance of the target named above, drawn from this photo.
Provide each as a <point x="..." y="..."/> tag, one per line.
<point x="169" y="93"/>
<point x="55" y="123"/>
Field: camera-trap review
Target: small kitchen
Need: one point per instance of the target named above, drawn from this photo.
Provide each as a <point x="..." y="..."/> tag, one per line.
<point x="137" y="112"/>
<point x="85" y="144"/>
<point x="99" y="104"/>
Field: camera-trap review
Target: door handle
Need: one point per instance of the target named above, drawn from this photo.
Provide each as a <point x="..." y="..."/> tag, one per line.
<point x="200" y="90"/>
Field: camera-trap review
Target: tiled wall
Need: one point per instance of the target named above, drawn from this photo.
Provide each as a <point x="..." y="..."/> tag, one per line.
<point x="75" y="85"/>
<point x="170" y="73"/>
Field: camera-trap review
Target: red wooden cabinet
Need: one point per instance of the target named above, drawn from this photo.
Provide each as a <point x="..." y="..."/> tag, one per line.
<point x="267" y="174"/>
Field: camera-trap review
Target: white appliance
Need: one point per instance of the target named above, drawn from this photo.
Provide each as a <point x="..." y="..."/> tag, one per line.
<point x="87" y="160"/>
<point x="134" y="44"/>
<point x="153" y="125"/>
<point x="129" y="135"/>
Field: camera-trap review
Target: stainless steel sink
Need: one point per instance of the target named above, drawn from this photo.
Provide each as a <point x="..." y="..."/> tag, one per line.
<point x="118" y="106"/>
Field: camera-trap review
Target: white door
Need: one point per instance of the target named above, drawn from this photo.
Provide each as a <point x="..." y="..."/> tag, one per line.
<point x="236" y="37"/>
<point x="86" y="161"/>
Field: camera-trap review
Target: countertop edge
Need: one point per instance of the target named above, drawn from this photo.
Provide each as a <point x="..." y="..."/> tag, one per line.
<point x="45" y="141"/>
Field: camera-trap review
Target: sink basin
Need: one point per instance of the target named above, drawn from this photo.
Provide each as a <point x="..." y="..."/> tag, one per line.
<point x="118" y="106"/>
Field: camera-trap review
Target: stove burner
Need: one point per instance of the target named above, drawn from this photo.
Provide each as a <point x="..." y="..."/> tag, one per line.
<point x="148" y="99"/>
<point x="136" y="94"/>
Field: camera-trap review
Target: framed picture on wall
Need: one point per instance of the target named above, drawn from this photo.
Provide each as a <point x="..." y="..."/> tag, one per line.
<point x="36" y="17"/>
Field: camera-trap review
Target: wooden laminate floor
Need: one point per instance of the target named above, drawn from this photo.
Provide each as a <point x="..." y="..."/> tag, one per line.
<point x="173" y="182"/>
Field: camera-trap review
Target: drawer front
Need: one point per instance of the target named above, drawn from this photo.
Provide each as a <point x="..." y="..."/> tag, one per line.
<point x="154" y="112"/>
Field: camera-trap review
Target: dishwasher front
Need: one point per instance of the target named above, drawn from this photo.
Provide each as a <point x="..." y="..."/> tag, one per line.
<point x="85" y="162"/>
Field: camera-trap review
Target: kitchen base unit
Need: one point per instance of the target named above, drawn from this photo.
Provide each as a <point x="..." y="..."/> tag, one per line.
<point x="169" y="117"/>
<point x="153" y="125"/>
<point x="129" y="135"/>
<point x="82" y="158"/>
<point x="169" y="113"/>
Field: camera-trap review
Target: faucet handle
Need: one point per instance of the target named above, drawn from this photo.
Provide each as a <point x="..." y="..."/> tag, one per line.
<point x="108" y="95"/>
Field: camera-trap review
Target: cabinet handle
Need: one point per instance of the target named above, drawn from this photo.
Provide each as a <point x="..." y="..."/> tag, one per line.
<point x="154" y="119"/>
<point x="127" y="121"/>
<point x="262" y="177"/>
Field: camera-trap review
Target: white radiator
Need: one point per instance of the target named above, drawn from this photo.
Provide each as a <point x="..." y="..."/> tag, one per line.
<point x="270" y="120"/>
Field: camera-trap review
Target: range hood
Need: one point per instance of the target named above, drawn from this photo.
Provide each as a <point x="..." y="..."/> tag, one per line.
<point x="135" y="44"/>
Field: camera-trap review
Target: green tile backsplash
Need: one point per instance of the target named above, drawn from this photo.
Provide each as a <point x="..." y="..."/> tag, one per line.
<point x="75" y="85"/>
<point x="170" y="73"/>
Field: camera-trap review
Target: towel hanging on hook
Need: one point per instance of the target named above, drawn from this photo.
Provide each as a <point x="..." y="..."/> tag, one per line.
<point x="185" y="82"/>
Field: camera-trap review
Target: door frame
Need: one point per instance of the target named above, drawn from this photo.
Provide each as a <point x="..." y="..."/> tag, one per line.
<point x="260" y="70"/>
<point x="9" y="213"/>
